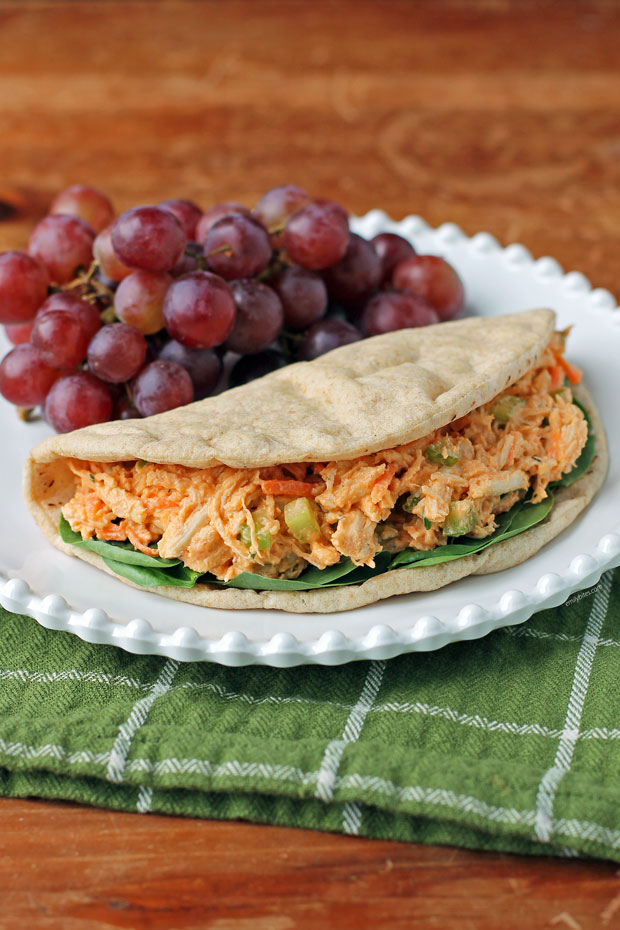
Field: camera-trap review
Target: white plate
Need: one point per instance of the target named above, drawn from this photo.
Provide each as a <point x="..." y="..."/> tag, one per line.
<point x="65" y="594"/>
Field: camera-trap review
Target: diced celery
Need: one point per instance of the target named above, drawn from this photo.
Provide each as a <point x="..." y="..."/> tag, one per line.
<point x="435" y="454"/>
<point x="300" y="517"/>
<point x="262" y="535"/>
<point x="462" y="518"/>
<point x="505" y="407"/>
<point x="412" y="501"/>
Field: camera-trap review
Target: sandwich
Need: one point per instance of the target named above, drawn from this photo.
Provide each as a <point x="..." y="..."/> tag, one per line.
<point x="393" y="465"/>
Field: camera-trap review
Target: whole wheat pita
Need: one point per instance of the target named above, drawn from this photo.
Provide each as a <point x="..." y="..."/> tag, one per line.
<point x="359" y="399"/>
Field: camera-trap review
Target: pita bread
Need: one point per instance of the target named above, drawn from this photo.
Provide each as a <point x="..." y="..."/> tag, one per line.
<point x="358" y="399"/>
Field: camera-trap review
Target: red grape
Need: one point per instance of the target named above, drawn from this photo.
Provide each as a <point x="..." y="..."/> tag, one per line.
<point x="391" y="310"/>
<point x="78" y="400"/>
<point x="150" y="238"/>
<point x="109" y="263"/>
<point x="326" y="335"/>
<point x="64" y="244"/>
<point x="19" y="333"/>
<point x="391" y="249"/>
<point x="61" y="338"/>
<point x="161" y="386"/>
<point x="25" y="378"/>
<point x="88" y="203"/>
<point x="117" y="353"/>
<point x="303" y="294"/>
<point x="124" y="409"/>
<point x="195" y="261"/>
<point x="433" y="279"/>
<point x="215" y="213"/>
<point x="139" y="300"/>
<point x="23" y="286"/>
<point x="259" y="317"/>
<point x="275" y="207"/>
<point x="238" y="247"/>
<point x="316" y="236"/>
<point x="86" y="313"/>
<point x="327" y="204"/>
<point x="356" y="275"/>
<point x="199" y="310"/>
<point x="250" y="367"/>
<point x="204" y="366"/>
<point x="187" y="213"/>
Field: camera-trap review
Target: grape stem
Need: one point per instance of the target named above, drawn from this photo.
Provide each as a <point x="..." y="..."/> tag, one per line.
<point x="92" y="290"/>
<point x="25" y="413"/>
<point x="84" y="278"/>
<point x="228" y="249"/>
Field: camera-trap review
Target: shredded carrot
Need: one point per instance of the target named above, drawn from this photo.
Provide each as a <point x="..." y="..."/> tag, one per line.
<point x="572" y="372"/>
<point x="514" y="442"/>
<point x="138" y="537"/>
<point x="382" y="484"/>
<point x="113" y="532"/>
<point x="553" y="445"/>
<point x="288" y="488"/>
<point x="557" y="377"/>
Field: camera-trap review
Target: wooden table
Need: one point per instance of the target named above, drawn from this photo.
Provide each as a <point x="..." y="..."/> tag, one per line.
<point x="501" y="116"/>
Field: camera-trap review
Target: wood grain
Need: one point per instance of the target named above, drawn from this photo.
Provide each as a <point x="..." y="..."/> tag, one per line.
<point x="64" y="868"/>
<point x="496" y="115"/>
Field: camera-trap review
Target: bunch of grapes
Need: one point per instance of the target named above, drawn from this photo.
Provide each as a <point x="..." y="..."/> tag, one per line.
<point x="114" y="318"/>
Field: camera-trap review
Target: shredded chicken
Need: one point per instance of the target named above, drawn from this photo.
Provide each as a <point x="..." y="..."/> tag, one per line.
<point x="226" y="520"/>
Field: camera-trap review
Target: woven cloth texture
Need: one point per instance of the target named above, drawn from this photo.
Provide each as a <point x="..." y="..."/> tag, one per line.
<point x="511" y="742"/>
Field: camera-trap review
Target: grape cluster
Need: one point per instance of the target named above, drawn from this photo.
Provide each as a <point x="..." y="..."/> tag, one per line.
<point x="128" y="316"/>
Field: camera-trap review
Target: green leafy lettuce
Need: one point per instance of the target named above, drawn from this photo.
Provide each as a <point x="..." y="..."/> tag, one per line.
<point x="153" y="571"/>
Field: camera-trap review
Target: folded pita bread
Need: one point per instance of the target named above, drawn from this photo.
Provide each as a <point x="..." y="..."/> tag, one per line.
<point x="359" y="399"/>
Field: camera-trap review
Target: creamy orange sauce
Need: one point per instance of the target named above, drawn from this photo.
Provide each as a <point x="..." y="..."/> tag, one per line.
<point x="204" y="515"/>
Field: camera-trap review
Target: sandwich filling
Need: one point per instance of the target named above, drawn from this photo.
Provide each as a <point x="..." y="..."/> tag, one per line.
<point x="277" y="520"/>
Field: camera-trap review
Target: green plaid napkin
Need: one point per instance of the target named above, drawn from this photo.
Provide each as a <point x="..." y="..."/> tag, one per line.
<point x="511" y="742"/>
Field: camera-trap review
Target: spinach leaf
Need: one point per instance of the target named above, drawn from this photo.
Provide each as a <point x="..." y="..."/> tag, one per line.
<point x="309" y="579"/>
<point x="179" y="576"/>
<point x="116" y="551"/>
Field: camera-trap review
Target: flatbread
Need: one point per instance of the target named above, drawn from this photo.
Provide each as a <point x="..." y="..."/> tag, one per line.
<point x="48" y="483"/>
<point x="358" y="399"/>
